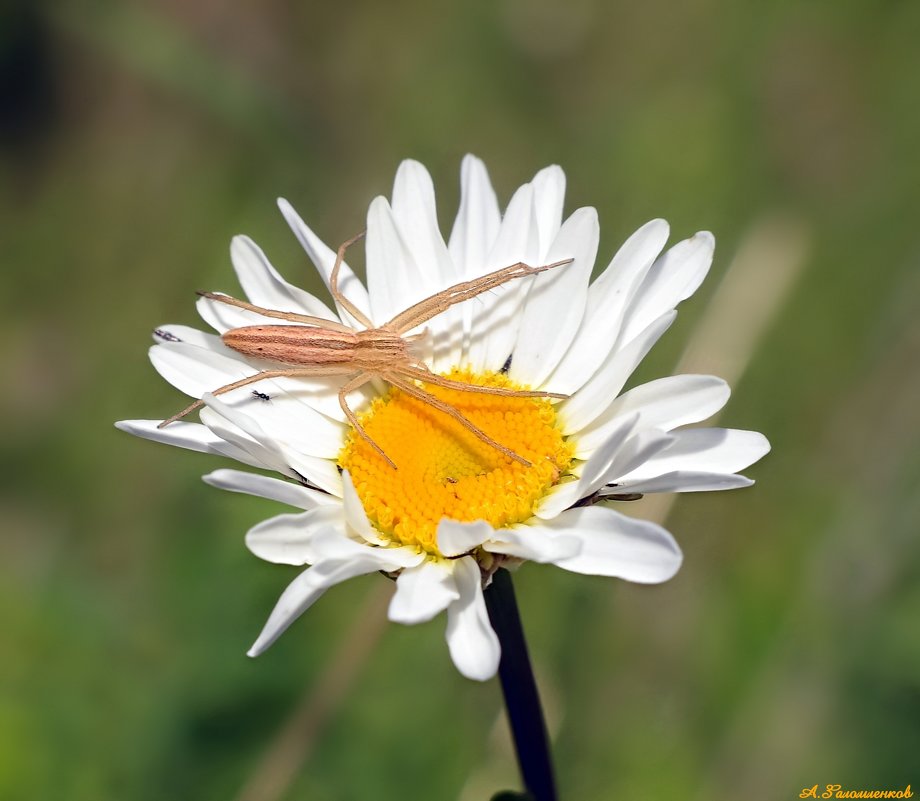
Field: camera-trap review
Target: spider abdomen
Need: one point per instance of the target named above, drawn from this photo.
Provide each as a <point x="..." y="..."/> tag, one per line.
<point x="293" y="344"/>
<point x="375" y="349"/>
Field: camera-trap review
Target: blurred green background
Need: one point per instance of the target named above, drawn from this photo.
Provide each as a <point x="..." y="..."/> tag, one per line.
<point x="137" y="138"/>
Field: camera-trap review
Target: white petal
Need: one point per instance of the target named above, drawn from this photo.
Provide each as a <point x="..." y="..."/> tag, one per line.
<point x="548" y="195"/>
<point x="223" y="317"/>
<point x="194" y="370"/>
<point x="672" y="278"/>
<point x="665" y="403"/>
<point x="324" y="259"/>
<point x="288" y="539"/>
<point x="604" y="311"/>
<point x="416" y="218"/>
<point x="534" y="542"/>
<point x="616" y="545"/>
<point x="475" y="229"/>
<point x="320" y="393"/>
<point x="394" y="280"/>
<point x="192" y="436"/>
<point x="478" y="219"/>
<point x="191" y="336"/>
<point x="299" y="596"/>
<point x="245" y="432"/>
<point x="274" y="489"/>
<point x="682" y="481"/>
<point x="559" y="497"/>
<point x="304" y="591"/>
<point x="593" y="399"/>
<point x="331" y="545"/>
<point x="556" y="302"/>
<point x="265" y="287"/>
<point x="423" y="592"/>
<point x="355" y="516"/>
<point x="594" y="470"/>
<point x="622" y="453"/>
<point x="257" y="453"/>
<point x="708" y="450"/>
<point x="637" y="450"/>
<point x="495" y="314"/>
<point x="289" y="415"/>
<point x="415" y="213"/>
<point x="455" y="538"/>
<point x="471" y="640"/>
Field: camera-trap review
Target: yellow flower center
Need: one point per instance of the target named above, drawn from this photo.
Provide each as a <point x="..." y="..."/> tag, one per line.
<point x="444" y="469"/>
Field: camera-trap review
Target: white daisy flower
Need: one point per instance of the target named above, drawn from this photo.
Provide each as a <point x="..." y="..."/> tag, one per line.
<point x="542" y="482"/>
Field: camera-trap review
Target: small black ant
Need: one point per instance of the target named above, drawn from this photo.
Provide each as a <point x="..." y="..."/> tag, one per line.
<point x="261" y="395"/>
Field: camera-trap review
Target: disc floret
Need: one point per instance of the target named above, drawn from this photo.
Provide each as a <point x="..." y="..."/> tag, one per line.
<point x="444" y="470"/>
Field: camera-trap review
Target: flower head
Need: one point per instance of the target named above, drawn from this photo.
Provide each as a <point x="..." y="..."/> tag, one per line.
<point x="445" y="479"/>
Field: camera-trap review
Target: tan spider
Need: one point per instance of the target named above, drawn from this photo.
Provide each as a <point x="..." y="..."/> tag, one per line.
<point x="320" y="347"/>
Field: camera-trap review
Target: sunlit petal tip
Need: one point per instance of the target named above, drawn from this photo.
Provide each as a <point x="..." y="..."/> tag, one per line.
<point x="706" y="238"/>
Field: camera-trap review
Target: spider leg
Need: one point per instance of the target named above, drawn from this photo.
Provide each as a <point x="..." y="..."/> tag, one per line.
<point x="430" y="307"/>
<point x="289" y="373"/>
<point x="425" y="375"/>
<point x="433" y="305"/>
<point x="359" y="381"/>
<point x="309" y="319"/>
<point x="344" y="302"/>
<point x="410" y="389"/>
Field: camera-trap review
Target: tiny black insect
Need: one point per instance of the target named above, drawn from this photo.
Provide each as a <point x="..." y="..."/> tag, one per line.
<point x="166" y="336"/>
<point x="261" y="395"/>
<point x="622" y="496"/>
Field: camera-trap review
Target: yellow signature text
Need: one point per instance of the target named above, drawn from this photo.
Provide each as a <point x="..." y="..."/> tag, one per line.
<point x="838" y="791"/>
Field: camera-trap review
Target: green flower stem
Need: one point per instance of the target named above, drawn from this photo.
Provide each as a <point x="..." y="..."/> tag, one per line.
<point x="520" y="690"/>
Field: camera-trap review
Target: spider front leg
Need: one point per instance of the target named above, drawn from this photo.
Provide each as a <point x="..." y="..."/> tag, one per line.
<point x="350" y="386"/>
<point x="430" y="307"/>
<point x="344" y="302"/>
<point x="292" y="317"/>
<point x="288" y="373"/>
